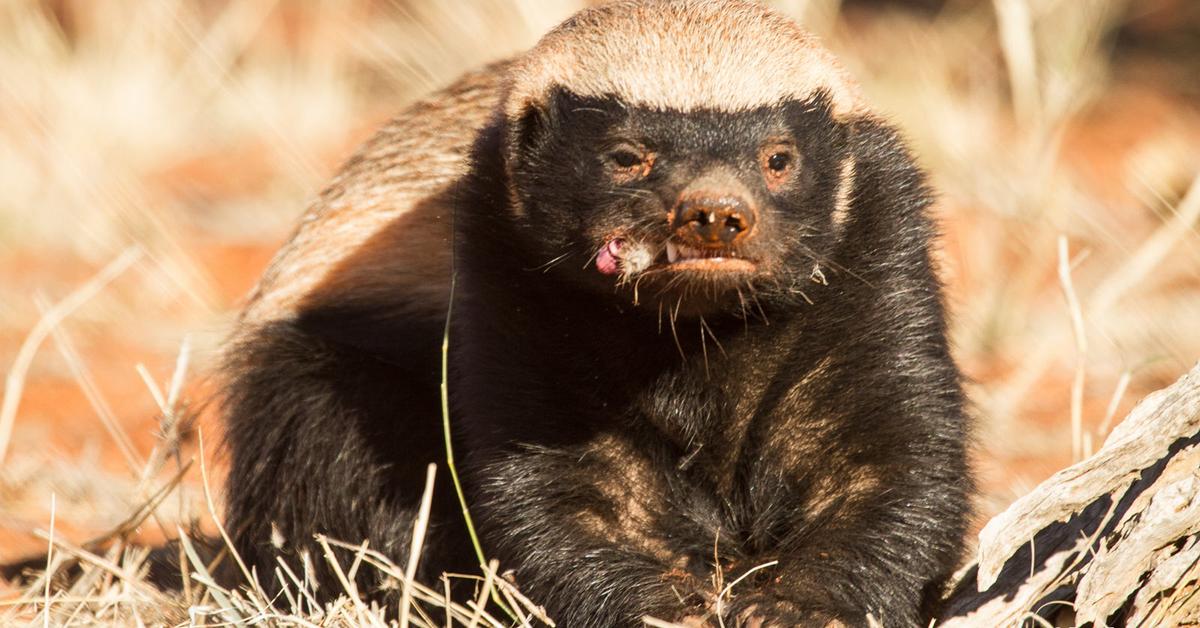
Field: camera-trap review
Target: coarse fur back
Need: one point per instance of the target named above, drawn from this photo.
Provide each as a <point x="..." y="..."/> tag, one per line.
<point x="697" y="335"/>
<point x="359" y="239"/>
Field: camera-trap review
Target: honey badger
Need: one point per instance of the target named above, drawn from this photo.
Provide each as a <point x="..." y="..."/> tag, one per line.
<point x="696" y="335"/>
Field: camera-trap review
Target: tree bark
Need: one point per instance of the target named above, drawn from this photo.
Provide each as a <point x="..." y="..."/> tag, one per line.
<point x="1113" y="540"/>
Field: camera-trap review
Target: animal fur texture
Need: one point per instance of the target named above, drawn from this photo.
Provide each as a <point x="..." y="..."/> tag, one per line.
<point x="697" y="338"/>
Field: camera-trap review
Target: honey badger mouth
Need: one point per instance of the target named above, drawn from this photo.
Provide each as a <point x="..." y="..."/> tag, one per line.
<point x="630" y="258"/>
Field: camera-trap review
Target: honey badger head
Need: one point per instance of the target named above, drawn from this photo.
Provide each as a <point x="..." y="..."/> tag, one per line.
<point x="689" y="149"/>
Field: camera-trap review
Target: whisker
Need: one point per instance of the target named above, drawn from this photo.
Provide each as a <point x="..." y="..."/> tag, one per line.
<point x="591" y="259"/>
<point x="632" y="193"/>
<point x="704" y="326"/>
<point x="754" y="297"/>
<point x="552" y="263"/>
<point x="821" y="259"/>
<point x="674" y="332"/>
<point x="671" y="284"/>
<point x="745" y="314"/>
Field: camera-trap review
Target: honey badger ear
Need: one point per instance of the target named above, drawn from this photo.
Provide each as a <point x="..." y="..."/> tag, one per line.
<point x="521" y="135"/>
<point x="527" y="131"/>
<point x="535" y="124"/>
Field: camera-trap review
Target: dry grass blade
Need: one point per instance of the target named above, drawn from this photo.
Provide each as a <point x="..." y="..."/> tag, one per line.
<point x="302" y="587"/>
<point x="49" y="563"/>
<point x="725" y="592"/>
<point x="1151" y="253"/>
<point x="145" y="510"/>
<point x="1114" y="402"/>
<point x="519" y="600"/>
<point x="131" y="578"/>
<point x="251" y="581"/>
<point x="418" y="540"/>
<point x="227" y="608"/>
<point x="1017" y="42"/>
<point x="1080" y="333"/>
<point x="522" y="606"/>
<point x="489" y="577"/>
<point x="364" y="614"/>
<point x="87" y="383"/>
<point x="16" y="375"/>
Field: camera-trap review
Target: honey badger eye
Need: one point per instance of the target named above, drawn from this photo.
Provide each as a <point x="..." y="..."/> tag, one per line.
<point x="629" y="163"/>
<point x="625" y="158"/>
<point x="778" y="160"/>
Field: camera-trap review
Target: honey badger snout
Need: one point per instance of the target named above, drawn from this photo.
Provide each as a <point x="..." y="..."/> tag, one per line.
<point x="715" y="211"/>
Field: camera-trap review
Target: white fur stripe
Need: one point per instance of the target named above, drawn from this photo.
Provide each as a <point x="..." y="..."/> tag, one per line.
<point x="684" y="55"/>
<point x="841" y="206"/>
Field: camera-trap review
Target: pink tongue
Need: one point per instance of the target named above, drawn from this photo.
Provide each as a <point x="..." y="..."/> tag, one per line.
<point x="606" y="261"/>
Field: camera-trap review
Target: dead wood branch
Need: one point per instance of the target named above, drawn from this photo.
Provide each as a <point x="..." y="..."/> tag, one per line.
<point x="1111" y="541"/>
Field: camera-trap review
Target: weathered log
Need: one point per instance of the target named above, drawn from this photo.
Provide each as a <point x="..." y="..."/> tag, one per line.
<point x="1113" y="540"/>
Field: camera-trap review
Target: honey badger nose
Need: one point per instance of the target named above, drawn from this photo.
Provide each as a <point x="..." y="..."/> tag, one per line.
<point x="710" y="220"/>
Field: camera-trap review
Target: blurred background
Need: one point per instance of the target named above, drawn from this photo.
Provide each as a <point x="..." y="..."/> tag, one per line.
<point x="155" y="153"/>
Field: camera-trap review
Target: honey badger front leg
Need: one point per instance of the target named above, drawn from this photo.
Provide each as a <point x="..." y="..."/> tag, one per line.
<point x="584" y="527"/>
<point x="870" y="556"/>
<point x="858" y="492"/>
<point x="605" y="535"/>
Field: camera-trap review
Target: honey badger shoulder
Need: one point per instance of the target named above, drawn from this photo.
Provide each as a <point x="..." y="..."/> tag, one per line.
<point x="696" y="330"/>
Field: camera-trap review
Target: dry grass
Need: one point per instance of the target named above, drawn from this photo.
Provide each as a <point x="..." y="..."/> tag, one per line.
<point x="193" y="132"/>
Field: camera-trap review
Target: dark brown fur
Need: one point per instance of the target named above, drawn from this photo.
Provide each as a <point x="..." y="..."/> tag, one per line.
<point x="629" y="442"/>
